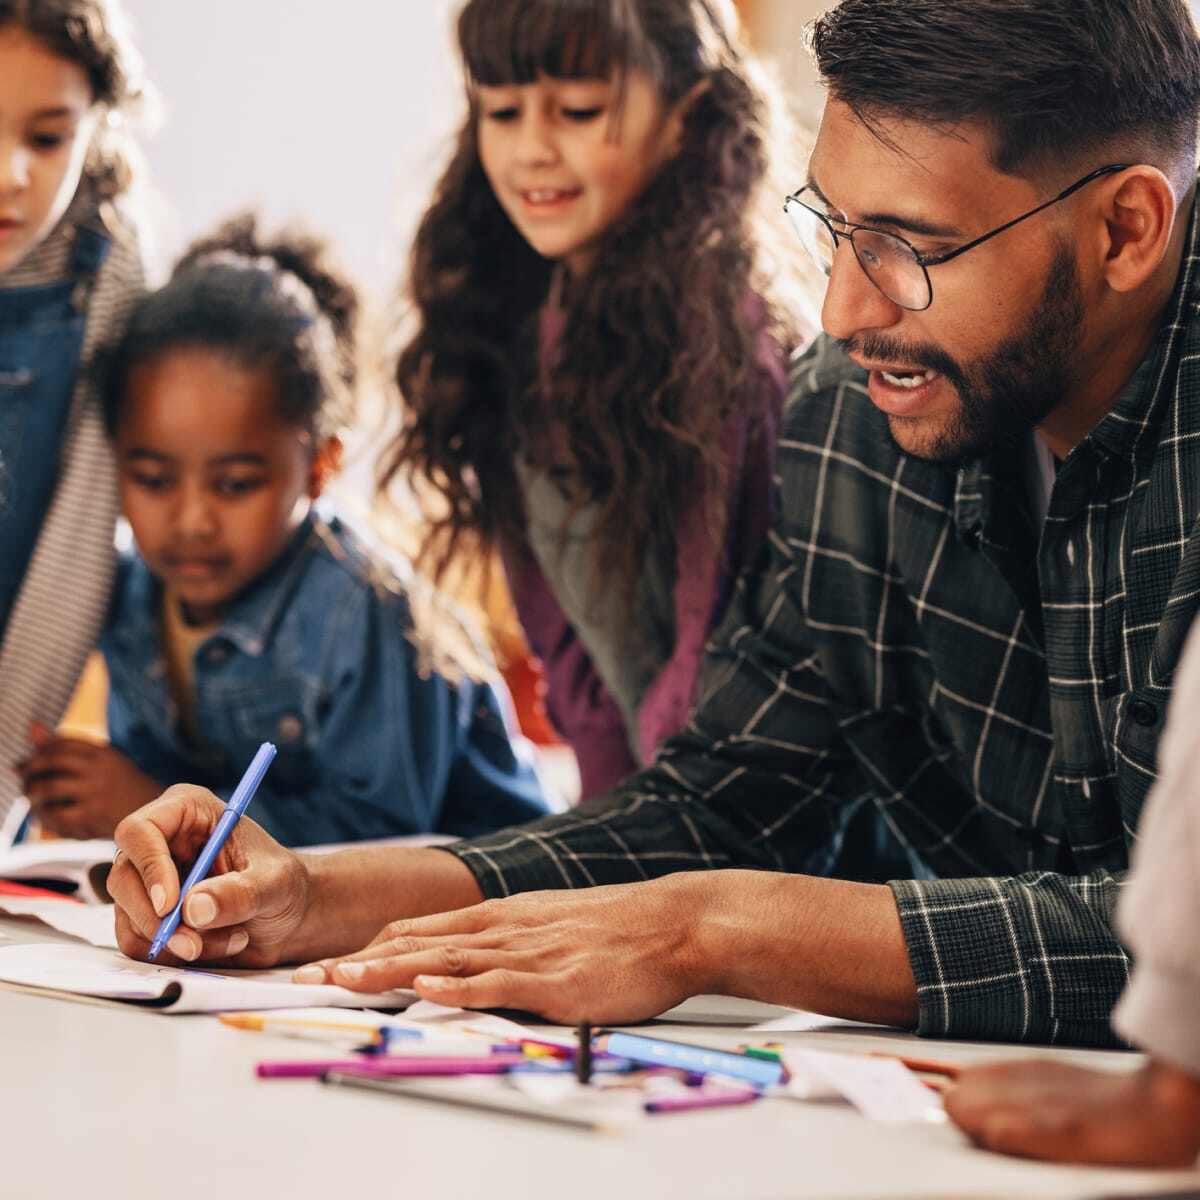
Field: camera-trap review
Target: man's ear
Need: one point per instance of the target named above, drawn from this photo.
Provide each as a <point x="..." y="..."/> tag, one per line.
<point x="326" y="463"/>
<point x="1139" y="210"/>
<point x="677" y="118"/>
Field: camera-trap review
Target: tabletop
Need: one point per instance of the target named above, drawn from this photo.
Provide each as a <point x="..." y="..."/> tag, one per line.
<point x="102" y="1101"/>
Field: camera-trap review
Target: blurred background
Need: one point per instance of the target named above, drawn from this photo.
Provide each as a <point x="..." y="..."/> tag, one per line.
<point x="342" y="121"/>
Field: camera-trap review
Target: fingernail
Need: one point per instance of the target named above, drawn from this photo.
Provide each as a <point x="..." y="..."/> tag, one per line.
<point x="239" y="941"/>
<point x="158" y="898"/>
<point x="431" y="983"/>
<point x="351" y="971"/>
<point x="200" y="911"/>
<point x="311" y="974"/>
<point x="182" y="947"/>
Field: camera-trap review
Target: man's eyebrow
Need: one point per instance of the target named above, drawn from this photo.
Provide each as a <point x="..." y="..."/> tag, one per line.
<point x="893" y="220"/>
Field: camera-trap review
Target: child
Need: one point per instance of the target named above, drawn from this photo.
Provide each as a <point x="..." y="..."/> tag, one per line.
<point x="247" y="616"/>
<point x="70" y="270"/>
<point x="595" y="380"/>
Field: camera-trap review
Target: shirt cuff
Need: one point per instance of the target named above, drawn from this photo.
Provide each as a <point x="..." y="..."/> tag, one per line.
<point x="1158" y="1014"/>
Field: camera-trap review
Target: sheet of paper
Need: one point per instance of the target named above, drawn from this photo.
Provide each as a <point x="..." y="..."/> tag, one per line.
<point x="91" y="971"/>
<point x="89" y="922"/>
<point x="463" y="1020"/>
<point x="880" y="1088"/>
<point x="798" y="1022"/>
<point x="84" y="864"/>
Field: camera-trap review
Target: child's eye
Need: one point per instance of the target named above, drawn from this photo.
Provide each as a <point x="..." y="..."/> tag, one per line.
<point x="582" y="114"/>
<point x="48" y="141"/>
<point x="502" y="115"/>
<point x="150" y="483"/>
<point x="234" y="487"/>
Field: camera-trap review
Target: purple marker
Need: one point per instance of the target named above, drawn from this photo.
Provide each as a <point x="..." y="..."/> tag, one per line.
<point x="385" y="1065"/>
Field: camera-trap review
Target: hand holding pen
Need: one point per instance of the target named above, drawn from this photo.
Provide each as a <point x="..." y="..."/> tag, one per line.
<point x="225" y="918"/>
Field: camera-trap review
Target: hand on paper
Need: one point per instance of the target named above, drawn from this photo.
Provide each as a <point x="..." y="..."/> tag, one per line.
<point x="603" y="954"/>
<point x="1063" y="1113"/>
<point x="243" y="914"/>
<point x="81" y="789"/>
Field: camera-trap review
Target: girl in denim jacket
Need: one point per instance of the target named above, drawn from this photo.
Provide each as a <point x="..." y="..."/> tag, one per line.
<point x="248" y="616"/>
<point x="70" y="271"/>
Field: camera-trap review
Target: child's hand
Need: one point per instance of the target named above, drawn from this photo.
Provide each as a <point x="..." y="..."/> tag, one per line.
<point x="80" y="789"/>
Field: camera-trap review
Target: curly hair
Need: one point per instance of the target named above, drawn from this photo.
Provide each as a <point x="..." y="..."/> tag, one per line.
<point x="664" y="339"/>
<point x="95" y="35"/>
<point x="274" y="303"/>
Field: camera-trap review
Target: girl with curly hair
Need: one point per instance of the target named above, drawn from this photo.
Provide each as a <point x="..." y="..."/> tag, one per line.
<point x="593" y="381"/>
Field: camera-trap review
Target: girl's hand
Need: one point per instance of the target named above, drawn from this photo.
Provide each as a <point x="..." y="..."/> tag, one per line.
<point x="82" y="789"/>
<point x="245" y="913"/>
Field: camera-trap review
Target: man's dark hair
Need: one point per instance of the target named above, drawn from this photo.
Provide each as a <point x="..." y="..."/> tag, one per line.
<point x="1055" y="79"/>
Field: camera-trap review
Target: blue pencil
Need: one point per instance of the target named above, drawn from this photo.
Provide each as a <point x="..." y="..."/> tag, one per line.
<point x="238" y="802"/>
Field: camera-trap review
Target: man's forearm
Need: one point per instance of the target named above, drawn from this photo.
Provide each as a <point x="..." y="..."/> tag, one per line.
<point x="354" y="893"/>
<point x="824" y="945"/>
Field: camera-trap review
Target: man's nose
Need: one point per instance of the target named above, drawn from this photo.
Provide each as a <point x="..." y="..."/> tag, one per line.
<point x="853" y="304"/>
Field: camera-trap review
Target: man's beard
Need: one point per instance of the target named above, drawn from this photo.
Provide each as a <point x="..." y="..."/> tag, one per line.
<point x="1004" y="396"/>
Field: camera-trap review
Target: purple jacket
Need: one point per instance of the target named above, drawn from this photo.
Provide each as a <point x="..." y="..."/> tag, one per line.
<point x="579" y="705"/>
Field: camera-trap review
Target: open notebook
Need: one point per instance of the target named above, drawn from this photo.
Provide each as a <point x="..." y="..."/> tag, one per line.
<point x="77" y="869"/>
<point x="99" y="973"/>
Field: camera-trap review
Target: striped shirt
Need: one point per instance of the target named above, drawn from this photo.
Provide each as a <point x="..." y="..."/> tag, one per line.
<point x="57" y="616"/>
<point x="908" y="642"/>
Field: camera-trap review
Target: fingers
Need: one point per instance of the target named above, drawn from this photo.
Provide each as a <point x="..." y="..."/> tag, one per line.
<point x="178" y="822"/>
<point x="60" y="756"/>
<point x="500" y="988"/>
<point x="186" y="946"/>
<point x="383" y="972"/>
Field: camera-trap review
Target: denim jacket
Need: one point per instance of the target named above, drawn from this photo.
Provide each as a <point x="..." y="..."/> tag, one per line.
<point x="316" y="657"/>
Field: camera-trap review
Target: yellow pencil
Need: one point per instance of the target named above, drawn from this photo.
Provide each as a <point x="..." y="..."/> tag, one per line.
<point x="301" y="1028"/>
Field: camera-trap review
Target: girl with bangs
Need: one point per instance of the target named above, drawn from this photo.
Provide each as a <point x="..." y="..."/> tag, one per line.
<point x="594" y="379"/>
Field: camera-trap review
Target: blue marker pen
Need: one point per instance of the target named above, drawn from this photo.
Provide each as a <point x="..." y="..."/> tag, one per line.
<point x="698" y="1059"/>
<point x="238" y="802"/>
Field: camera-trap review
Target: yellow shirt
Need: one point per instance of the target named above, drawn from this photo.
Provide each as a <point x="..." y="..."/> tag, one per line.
<point x="181" y="640"/>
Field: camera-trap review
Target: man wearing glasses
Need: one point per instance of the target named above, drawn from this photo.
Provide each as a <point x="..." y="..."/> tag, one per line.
<point x="973" y="601"/>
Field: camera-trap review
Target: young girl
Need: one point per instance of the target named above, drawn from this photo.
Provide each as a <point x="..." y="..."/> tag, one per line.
<point x="70" y="270"/>
<point x="594" y="383"/>
<point x="247" y="616"/>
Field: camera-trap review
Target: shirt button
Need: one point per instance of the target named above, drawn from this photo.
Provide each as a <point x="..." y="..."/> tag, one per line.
<point x="1142" y="712"/>
<point x="218" y="653"/>
<point x="289" y="728"/>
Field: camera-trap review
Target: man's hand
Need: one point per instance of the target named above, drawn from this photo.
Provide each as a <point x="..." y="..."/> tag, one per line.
<point x="604" y="954"/>
<point x="245" y="913"/>
<point x="81" y="789"/>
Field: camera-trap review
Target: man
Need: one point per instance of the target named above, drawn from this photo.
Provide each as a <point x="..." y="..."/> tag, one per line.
<point x="1149" y="1117"/>
<point x="966" y="623"/>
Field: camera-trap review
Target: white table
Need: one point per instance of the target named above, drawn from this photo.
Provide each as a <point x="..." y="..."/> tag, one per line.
<point x="100" y="1101"/>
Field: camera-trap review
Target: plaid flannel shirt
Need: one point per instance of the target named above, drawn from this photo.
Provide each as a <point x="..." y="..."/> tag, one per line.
<point x="908" y="642"/>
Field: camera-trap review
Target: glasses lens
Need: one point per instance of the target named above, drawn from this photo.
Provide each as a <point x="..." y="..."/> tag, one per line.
<point x="893" y="268"/>
<point x="814" y="234"/>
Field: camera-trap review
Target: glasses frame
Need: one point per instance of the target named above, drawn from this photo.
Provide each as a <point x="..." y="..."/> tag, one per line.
<point x="925" y="261"/>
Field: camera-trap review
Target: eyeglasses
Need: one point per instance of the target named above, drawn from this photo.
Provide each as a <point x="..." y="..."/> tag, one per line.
<point x="897" y="269"/>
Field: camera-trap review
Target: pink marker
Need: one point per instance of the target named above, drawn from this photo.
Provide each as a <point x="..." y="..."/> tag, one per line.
<point x="700" y="1099"/>
<point x="385" y="1065"/>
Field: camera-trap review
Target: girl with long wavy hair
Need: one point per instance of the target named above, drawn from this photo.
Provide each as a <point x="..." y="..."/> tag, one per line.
<point x="593" y="381"/>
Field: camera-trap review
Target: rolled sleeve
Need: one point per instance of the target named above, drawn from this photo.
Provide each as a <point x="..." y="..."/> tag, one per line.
<point x="1033" y="958"/>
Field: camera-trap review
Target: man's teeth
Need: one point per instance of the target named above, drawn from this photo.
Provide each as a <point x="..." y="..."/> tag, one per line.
<point x="910" y="380"/>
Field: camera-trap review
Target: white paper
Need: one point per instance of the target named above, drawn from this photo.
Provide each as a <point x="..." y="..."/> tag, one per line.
<point x="798" y="1021"/>
<point x="67" y="861"/>
<point x="90" y="971"/>
<point x="880" y="1088"/>
<point x="93" y="923"/>
<point x="426" y="1013"/>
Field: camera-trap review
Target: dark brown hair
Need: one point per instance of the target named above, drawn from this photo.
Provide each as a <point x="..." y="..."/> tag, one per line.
<point x="276" y="304"/>
<point x="664" y="337"/>
<point x="1055" y="79"/>
<point x="94" y="34"/>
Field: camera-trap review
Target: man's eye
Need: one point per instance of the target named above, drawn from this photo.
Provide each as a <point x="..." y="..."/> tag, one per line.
<point x="583" y="114"/>
<point x="48" y="141"/>
<point x="238" y="487"/>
